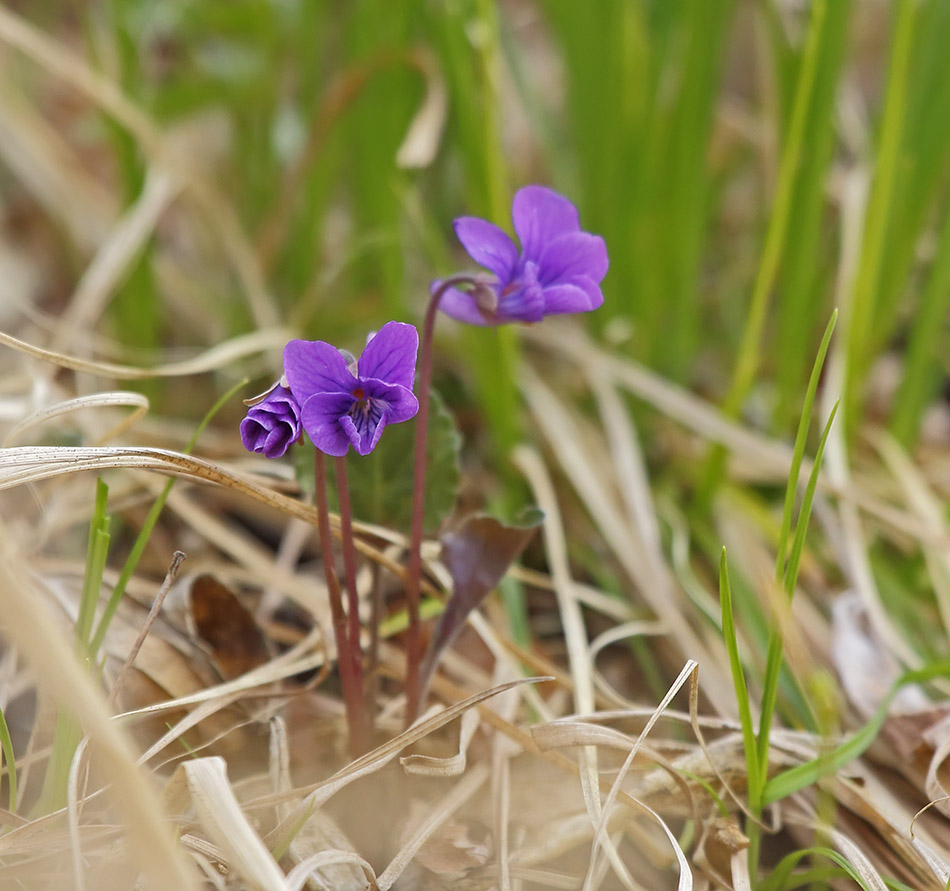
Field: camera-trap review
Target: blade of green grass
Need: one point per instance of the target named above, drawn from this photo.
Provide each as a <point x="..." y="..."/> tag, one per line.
<point x="798" y="453"/>
<point x="68" y="733"/>
<point x="789" y="174"/>
<point x="922" y="375"/>
<point x="738" y="679"/>
<point x="781" y="878"/>
<point x="873" y="247"/>
<point x="9" y="759"/>
<point x="141" y="540"/>
<point x="773" y="663"/>
<point x="800" y="284"/>
<point x="687" y="182"/>
<point x="797" y="778"/>
<point x="920" y="175"/>
<point x="97" y="553"/>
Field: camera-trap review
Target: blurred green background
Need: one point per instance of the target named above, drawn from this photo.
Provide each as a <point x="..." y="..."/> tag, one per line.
<point x="709" y="142"/>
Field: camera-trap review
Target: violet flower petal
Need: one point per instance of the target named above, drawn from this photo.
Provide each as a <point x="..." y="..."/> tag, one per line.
<point x="391" y="355"/>
<point x="321" y="415"/>
<point x="592" y="288"/>
<point x="524" y="302"/>
<point x="462" y="306"/>
<point x="559" y="299"/>
<point x="567" y="256"/>
<point x="363" y="429"/>
<point x="540" y="215"/>
<point x="487" y="245"/>
<point x="381" y="404"/>
<point x="273" y="425"/>
<point x="313" y="366"/>
<point x="400" y="401"/>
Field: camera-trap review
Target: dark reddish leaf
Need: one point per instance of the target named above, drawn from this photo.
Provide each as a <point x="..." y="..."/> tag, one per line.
<point x="477" y="554"/>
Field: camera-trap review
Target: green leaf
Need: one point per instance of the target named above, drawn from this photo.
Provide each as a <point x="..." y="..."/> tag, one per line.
<point x="797" y="778"/>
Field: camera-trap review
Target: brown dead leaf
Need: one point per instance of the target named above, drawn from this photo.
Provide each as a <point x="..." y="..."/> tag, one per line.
<point x="236" y="642"/>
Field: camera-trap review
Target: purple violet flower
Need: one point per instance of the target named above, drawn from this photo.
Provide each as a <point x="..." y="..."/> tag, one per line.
<point x="344" y="403"/>
<point x="272" y="425"/>
<point x="559" y="269"/>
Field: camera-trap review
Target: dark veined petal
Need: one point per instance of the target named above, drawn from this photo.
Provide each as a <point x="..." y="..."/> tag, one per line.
<point x="540" y="215"/>
<point x="487" y="245"/>
<point x="365" y="423"/>
<point x="401" y="403"/>
<point x="581" y="295"/>
<point x="569" y="256"/>
<point x="313" y="366"/>
<point x="462" y="306"/>
<point x="391" y="354"/>
<point x="321" y="415"/>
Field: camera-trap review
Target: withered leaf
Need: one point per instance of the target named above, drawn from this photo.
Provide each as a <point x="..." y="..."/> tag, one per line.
<point x="227" y="627"/>
<point x="477" y="554"/>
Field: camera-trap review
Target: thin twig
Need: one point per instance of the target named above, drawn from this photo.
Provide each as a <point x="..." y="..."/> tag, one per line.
<point x="170" y="576"/>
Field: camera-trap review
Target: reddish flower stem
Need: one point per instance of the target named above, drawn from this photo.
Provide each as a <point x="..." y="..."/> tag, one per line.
<point x="351" y="675"/>
<point x="414" y="571"/>
<point x="349" y="569"/>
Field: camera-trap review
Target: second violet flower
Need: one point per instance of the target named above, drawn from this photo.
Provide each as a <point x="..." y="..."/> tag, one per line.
<point x="558" y="269"/>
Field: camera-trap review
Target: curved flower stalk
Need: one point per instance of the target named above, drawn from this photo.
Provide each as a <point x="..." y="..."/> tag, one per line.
<point x="558" y="270"/>
<point x="340" y="402"/>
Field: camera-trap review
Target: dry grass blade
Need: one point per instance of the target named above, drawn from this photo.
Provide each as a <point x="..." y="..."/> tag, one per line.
<point x="19" y="466"/>
<point x="221" y="815"/>
<point x="929" y="508"/>
<point x="440" y="814"/>
<point x="561" y="432"/>
<point x="295" y="661"/>
<point x="939" y="867"/>
<point x="426" y="765"/>
<point x="303" y="872"/>
<point x="572" y="621"/>
<point x="26" y="622"/>
<point x="760" y="455"/>
<point x="686" y="877"/>
<point x="123" y="398"/>
<point x="42" y="160"/>
<point x="421" y="143"/>
<point x="114" y="258"/>
<point x="218" y="356"/>
<point x="74" y="812"/>
<point x="855" y="559"/>
<point x="859" y="861"/>
<point x="73" y="70"/>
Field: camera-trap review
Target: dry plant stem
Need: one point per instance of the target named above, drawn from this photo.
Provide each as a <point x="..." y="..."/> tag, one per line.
<point x="349" y="568"/>
<point x="413" y="634"/>
<point x="172" y="574"/>
<point x="351" y="674"/>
